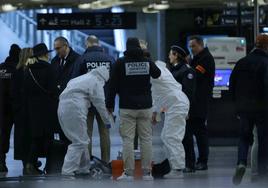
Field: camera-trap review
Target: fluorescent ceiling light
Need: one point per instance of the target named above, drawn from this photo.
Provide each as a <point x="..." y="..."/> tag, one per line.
<point x="162" y="6"/>
<point x="8" y="7"/>
<point x="101" y="4"/>
<point x="84" y="6"/>
<point x="122" y="2"/>
<point x="39" y="1"/>
<point x="150" y="9"/>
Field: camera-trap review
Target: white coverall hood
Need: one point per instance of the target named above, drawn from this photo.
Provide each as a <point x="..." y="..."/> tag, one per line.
<point x="102" y="73"/>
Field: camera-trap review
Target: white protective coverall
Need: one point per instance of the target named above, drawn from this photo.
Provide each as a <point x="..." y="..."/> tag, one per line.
<point x="72" y="112"/>
<point x="167" y="93"/>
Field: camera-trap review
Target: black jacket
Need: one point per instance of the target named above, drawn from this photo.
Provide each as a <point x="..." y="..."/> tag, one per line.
<point x="6" y="74"/>
<point x="130" y="79"/>
<point x="22" y="135"/>
<point x="186" y="76"/>
<point x="204" y="66"/>
<point x="248" y="83"/>
<point x="64" y="74"/>
<point x="92" y="58"/>
<point x="40" y="105"/>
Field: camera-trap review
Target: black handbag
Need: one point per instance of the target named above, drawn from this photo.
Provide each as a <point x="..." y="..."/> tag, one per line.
<point x="161" y="169"/>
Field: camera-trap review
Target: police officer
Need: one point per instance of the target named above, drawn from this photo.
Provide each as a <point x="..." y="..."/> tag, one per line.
<point x="182" y="71"/>
<point x="186" y="76"/>
<point x="204" y="65"/>
<point x="7" y="70"/>
<point x="130" y="79"/>
<point x="94" y="57"/>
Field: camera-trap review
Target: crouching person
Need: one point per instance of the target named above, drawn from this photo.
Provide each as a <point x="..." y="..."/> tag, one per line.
<point x="73" y="108"/>
<point x="167" y="93"/>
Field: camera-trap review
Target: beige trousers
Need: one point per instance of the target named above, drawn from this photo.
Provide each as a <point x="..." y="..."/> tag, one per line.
<point x="130" y="120"/>
<point x="105" y="142"/>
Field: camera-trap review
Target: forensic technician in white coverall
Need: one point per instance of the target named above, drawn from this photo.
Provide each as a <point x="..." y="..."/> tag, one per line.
<point x="167" y="93"/>
<point x="72" y="112"/>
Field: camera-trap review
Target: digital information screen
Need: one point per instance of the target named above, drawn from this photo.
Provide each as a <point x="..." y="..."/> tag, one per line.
<point x="86" y="21"/>
<point x="222" y="77"/>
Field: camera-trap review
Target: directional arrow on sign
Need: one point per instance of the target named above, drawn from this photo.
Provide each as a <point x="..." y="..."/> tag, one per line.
<point x="43" y="21"/>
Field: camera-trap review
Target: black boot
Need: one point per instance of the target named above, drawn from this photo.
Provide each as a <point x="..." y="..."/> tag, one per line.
<point x="3" y="168"/>
<point x="30" y="169"/>
<point x="201" y="166"/>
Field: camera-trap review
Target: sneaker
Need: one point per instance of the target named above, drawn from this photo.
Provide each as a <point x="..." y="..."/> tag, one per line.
<point x="188" y="170"/>
<point x="3" y="168"/>
<point x="148" y="177"/>
<point x="125" y="177"/>
<point x="82" y="172"/>
<point x="239" y="173"/>
<point x="174" y="174"/>
<point x="67" y="173"/>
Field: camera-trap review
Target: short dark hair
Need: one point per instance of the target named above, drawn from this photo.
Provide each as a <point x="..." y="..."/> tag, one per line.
<point x="62" y="40"/>
<point x="198" y="39"/>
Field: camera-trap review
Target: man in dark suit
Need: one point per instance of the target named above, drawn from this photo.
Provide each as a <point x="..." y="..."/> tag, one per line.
<point x="63" y="64"/>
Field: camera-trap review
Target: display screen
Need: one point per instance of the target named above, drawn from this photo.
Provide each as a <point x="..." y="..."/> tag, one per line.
<point x="222" y="77"/>
<point x="87" y="21"/>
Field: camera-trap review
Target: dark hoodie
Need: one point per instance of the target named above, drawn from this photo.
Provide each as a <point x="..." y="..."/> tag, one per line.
<point x="130" y="79"/>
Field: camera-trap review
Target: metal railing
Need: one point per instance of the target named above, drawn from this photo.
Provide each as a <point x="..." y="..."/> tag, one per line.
<point x="24" y="25"/>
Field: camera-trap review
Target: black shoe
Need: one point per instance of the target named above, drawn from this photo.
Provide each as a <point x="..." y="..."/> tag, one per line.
<point x="3" y="168"/>
<point x="38" y="164"/>
<point x="201" y="166"/>
<point x="31" y="170"/>
<point x="188" y="170"/>
<point x="239" y="173"/>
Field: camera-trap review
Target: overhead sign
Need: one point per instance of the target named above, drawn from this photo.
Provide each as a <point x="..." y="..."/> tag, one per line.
<point x="86" y="21"/>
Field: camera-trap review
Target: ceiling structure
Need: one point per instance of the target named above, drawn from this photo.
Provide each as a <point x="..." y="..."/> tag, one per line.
<point x="174" y="4"/>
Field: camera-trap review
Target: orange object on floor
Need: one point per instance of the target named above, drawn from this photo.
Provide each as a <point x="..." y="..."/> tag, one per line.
<point x="118" y="169"/>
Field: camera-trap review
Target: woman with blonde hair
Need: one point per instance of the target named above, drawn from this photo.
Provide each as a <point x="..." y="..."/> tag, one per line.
<point x="21" y="136"/>
<point x="25" y="54"/>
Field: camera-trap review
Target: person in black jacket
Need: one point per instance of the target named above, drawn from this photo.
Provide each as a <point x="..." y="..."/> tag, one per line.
<point x="6" y="116"/>
<point x="7" y="70"/>
<point x="248" y="86"/>
<point x="95" y="57"/>
<point x="204" y="66"/>
<point x="40" y="90"/>
<point x="63" y="64"/>
<point x="182" y="71"/>
<point x="130" y="79"/>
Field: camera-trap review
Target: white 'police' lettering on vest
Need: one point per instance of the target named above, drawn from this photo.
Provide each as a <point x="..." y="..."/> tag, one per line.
<point x="137" y="68"/>
<point x="95" y="64"/>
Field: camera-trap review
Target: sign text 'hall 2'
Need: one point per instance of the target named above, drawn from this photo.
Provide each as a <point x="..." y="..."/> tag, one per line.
<point x="87" y="21"/>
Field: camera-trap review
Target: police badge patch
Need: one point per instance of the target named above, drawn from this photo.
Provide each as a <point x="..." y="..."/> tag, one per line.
<point x="190" y="76"/>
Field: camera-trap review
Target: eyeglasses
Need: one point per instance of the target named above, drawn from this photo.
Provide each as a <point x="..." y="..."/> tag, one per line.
<point x="58" y="48"/>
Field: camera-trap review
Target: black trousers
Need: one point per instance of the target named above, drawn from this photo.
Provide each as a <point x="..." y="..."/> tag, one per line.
<point x="5" y="131"/>
<point x="247" y="123"/>
<point x="196" y="127"/>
